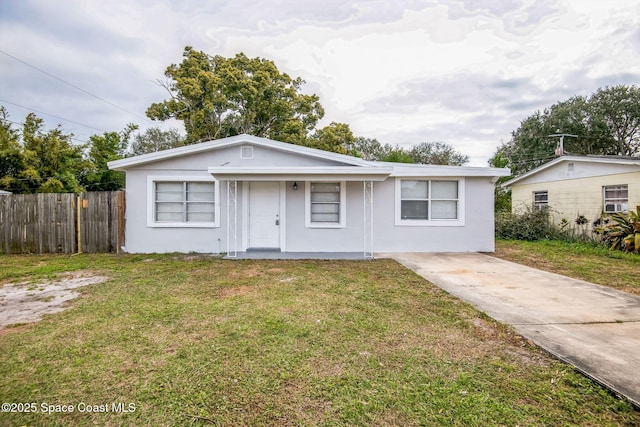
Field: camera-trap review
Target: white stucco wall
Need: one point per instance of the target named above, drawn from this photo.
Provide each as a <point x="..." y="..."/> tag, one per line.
<point x="140" y="238"/>
<point x="476" y="234"/>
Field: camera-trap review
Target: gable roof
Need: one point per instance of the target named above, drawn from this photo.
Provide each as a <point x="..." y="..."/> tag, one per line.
<point x="186" y="150"/>
<point x="622" y="160"/>
<point x="371" y="170"/>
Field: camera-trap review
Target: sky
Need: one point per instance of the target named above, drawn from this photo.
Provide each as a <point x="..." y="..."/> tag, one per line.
<point x="463" y="72"/>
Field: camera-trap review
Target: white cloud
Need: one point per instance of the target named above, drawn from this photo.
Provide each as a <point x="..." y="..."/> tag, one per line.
<point x="461" y="71"/>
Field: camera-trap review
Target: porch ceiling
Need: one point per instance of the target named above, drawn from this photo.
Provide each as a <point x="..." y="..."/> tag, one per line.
<point x="327" y="173"/>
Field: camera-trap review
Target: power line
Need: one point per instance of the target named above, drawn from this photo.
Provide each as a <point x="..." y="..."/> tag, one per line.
<point x="22" y="124"/>
<point x="51" y="115"/>
<point x="74" y="86"/>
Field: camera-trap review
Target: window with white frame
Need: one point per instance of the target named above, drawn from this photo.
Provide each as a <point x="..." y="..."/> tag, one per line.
<point x="325" y="204"/>
<point x="424" y="201"/>
<point x="616" y="198"/>
<point x="540" y="200"/>
<point x="183" y="203"/>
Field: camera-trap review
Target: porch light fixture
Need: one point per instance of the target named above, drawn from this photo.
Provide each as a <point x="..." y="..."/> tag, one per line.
<point x="295" y="185"/>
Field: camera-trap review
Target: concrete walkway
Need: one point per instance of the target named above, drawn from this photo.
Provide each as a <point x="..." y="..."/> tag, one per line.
<point x="592" y="327"/>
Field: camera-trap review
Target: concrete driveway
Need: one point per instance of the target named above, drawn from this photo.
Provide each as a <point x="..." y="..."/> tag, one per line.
<point x="592" y="327"/>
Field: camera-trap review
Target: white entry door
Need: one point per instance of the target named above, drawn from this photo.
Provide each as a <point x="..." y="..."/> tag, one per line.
<point x="264" y="215"/>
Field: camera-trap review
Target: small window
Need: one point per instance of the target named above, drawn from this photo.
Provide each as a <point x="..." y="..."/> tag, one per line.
<point x="540" y="200"/>
<point x="246" y="152"/>
<point x="325" y="204"/>
<point x="616" y="198"/>
<point x="182" y="203"/>
<point x="424" y="202"/>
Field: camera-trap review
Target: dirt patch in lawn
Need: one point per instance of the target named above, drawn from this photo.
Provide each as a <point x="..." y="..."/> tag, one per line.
<point x="27" y="302"/>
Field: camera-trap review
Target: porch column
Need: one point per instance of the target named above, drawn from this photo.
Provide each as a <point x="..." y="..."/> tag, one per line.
<point x="367" y="196"/>
<point x="232" y="219"/>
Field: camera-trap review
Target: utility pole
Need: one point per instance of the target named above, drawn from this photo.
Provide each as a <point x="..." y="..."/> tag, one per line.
<point x="560" y="149"/>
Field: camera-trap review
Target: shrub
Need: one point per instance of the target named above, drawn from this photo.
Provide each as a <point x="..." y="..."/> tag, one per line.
<point x="530" y="224"/>
<point x="622" y="232"/>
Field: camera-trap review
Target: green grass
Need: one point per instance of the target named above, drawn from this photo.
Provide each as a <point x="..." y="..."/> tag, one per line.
<point x="204" y="341"/>
<point x="584" y="261"/>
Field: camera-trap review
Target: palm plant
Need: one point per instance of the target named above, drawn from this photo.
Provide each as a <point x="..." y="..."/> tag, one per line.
<point x="622" y="232"/>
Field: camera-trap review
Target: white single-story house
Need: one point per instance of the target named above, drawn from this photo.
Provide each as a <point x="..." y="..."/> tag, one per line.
<point x="246" y="193"/>
<point x="572" y="186"/>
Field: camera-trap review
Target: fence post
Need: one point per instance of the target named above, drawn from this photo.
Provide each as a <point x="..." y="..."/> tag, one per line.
<point x="78" y="223"/>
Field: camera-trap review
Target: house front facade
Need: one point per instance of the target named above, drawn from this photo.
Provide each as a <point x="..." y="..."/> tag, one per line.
<point x="246" y="193"/>
<point x="573" y="186"/>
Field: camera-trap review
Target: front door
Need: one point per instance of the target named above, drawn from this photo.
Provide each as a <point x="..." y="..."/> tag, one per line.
<point x="264" y="215"/>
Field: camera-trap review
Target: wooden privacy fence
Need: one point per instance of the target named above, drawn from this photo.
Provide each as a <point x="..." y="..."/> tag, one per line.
<point x="62" y="222"/>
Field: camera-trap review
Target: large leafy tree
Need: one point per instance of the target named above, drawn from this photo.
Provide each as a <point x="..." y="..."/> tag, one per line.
<point x="217" y="97"/>
<point x="607" y="123"/>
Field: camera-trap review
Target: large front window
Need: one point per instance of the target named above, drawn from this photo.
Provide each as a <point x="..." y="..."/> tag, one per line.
<point x="325" y="204"/>
<point x="424" y="202"/>
<point x="183" y="203"/>
<point x="616" y="198"/>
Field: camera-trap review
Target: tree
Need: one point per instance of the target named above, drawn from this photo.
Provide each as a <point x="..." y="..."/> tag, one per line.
<point x="607" y="123"/>
<point x="502" y="196"/>
<point x="11" y="158"/>
<point x="617" y="110"/>
<point x="367" y="148"/>
<point x="155" y="139"/>
<point x="336" y="137"/>
<point x="437" y="153"/>
<point x="217" y="97"/>
<point x="102" y="149"/>
<point x="395" y="154"/>
<point x="51" y="162"/>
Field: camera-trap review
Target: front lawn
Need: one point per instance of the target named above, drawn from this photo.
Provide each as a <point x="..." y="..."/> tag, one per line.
<point x="188" y="340"/>
<point x="584" y="261"/>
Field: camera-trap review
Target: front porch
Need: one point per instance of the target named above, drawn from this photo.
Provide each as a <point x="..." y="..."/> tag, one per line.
<point x="276" y="209"/>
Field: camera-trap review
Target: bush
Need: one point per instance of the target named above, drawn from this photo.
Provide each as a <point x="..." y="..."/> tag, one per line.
<point x="531" y="224"/>
<point x="622" y="232"/>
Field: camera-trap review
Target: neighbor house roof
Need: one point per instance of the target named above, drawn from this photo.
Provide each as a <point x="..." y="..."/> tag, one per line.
<point x="623" y="160"/>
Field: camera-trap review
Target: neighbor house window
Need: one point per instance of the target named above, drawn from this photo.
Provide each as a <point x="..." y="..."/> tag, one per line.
<point x="183" y="203"/>
<point x="616" y="198"/>
<point x="325" y="204"/>
<point x="422" y="201"/>
<point x="540" y="200"/>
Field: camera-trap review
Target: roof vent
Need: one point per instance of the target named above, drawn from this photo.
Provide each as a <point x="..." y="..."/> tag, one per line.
<point x="246" y="152"/>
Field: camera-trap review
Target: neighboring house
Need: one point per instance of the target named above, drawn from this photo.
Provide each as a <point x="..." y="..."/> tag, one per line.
<point x="247" y="193"/>
<point x="570" y="186"/>
<point x="5" y="193"/>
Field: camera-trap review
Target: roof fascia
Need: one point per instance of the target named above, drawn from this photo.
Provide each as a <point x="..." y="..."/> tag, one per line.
<point x="343" y="173"/>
